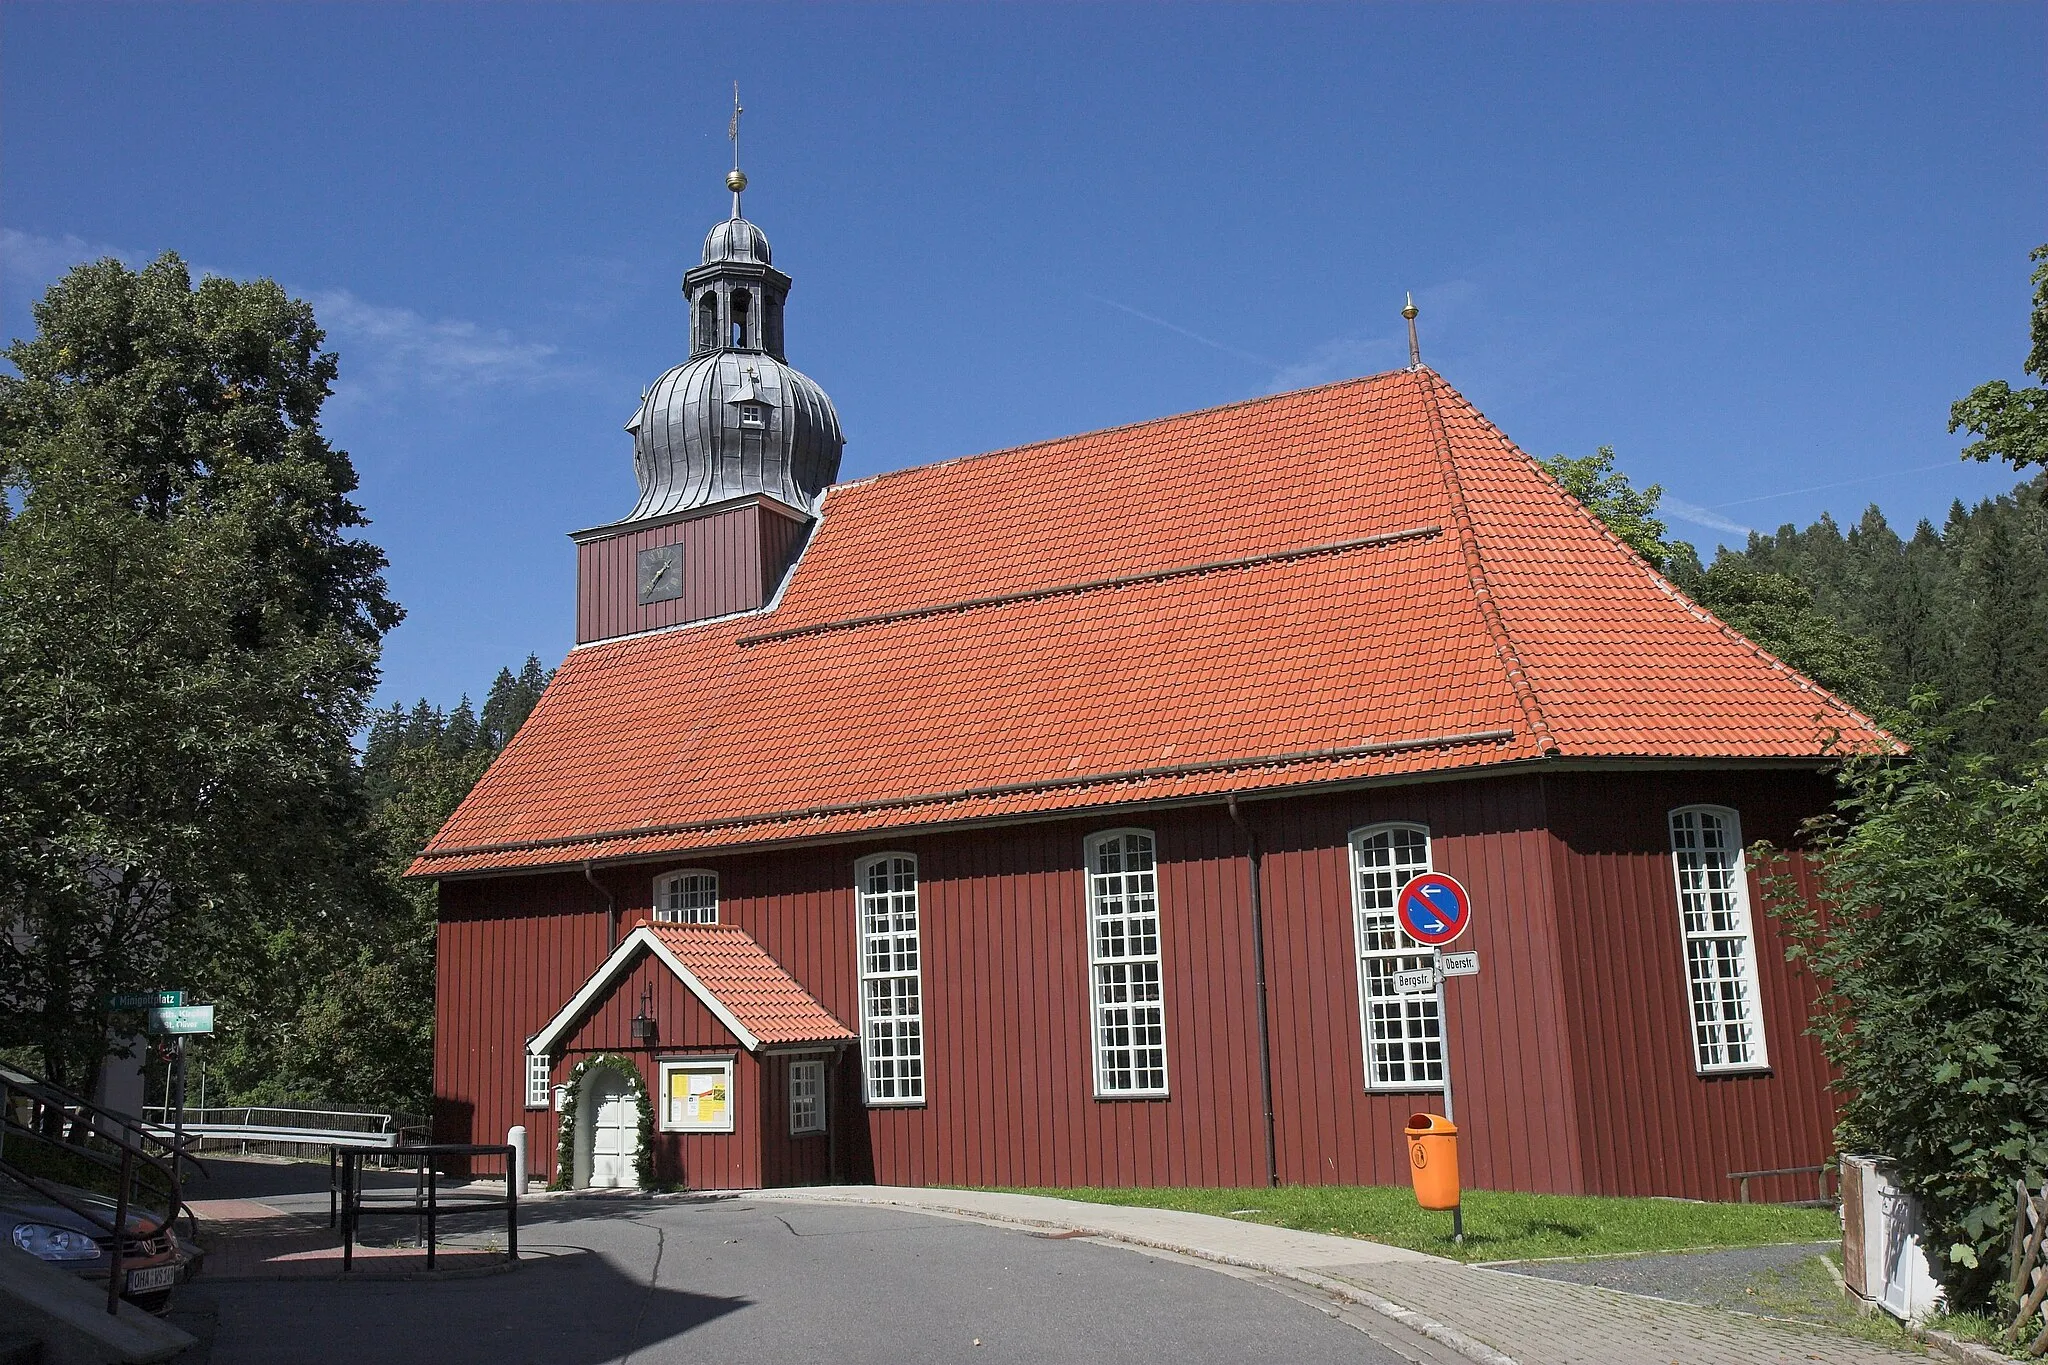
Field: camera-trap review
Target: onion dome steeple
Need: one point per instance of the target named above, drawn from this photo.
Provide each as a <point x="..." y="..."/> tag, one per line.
<point x="735" y="418"/>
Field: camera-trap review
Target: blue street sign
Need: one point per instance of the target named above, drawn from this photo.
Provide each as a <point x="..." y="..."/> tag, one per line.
<point x="1434" y="909"/>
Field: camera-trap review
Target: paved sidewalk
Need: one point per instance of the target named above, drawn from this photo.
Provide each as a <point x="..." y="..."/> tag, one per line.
<point x="247" y="1239"/>
<point x="1490" y="1316"/>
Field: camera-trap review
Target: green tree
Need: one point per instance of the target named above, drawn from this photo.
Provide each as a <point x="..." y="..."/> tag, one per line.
<point x="189" y="629"/>
<point x="1929" y="937"/>
<point x="2012" y="424"/>
<point x="1777" y="612"/>
<point x="1629" y="512"/>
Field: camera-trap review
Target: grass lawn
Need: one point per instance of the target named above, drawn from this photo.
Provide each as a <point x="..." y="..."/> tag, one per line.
<point x="1498" y="1226"/>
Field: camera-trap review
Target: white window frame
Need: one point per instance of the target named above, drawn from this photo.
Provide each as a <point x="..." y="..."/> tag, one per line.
<point x="1390" y="1023"/>
<point x="539" y="1081"/>
<point x="1724" y="1005"/>
<point x="806" y="1072"/>
<point x="1125" y="966"/>
<point x="890" y="964"/>
<point x="695" y="910"/>
<point x="671" y="1120"/>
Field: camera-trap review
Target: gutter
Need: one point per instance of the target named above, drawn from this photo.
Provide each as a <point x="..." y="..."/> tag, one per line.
<point x="1255" y="862"/>
<point x="611" y="909"/>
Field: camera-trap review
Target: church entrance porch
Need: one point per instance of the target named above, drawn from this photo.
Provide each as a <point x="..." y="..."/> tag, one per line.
<point x="608" y="1148"/>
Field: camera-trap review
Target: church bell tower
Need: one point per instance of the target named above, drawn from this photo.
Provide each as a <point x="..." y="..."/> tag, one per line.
<point x="733" y="450"/>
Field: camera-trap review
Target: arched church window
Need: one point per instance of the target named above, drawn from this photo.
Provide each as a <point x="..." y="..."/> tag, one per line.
<point x="741" y="319"/>
<point x="707" y="321"/>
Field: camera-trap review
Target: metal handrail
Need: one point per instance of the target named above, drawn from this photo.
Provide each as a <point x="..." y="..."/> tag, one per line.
<point x="427" y="1204"/>
<point x="53" y="1106"/>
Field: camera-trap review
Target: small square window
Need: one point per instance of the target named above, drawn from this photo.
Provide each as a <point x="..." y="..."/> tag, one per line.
<point x="696" y="1096"/>
<point x="753" y="416"/>
<point x="806" y="1098"/>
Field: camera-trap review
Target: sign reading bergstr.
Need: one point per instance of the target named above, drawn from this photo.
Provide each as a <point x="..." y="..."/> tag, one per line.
<point x="1415" y="983"/>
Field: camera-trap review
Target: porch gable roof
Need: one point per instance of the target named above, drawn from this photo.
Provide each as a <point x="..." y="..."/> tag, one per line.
<point x="748" y="991"/>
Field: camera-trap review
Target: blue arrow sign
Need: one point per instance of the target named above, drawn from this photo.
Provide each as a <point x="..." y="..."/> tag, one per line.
<point x="1434" y="909"/>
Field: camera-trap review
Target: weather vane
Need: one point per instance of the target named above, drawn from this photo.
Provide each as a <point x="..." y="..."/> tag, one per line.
<point x="736" y="179"/>
<point x="1414" y="347"/>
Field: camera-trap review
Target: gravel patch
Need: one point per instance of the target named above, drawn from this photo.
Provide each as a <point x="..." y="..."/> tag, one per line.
<point x="1718" y="1279"/>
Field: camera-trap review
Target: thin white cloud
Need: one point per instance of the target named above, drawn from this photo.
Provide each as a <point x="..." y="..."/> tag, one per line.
<point x="32" y="263"/>
<point x="383" y="348"/>
<point x="1695" y="515"/>
<point x="1340" y="358"/>
<point x="398" y="347"/>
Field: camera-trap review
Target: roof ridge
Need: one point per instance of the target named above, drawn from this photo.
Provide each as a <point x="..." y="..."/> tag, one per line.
<point x="1671" y="589"/>
<point x="1475" y="569"/>
<point x="1110" y="430"/>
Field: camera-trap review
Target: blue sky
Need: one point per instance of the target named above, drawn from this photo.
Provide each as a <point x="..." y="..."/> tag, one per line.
<point x="1758" y="249"/>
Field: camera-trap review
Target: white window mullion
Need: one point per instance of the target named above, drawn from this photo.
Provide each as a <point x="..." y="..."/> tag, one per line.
<point x="538" y="1091"/>
<point x="1720" y="950"/>
<point x="806" y="1098"/>
<point x="1126" y="976"/>
<point x="891" y="983"/>
<point x="1403" y="1034"/>
<point x="686" y="898"/>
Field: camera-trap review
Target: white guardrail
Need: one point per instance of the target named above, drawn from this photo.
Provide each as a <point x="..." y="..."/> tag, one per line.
<point x="260" y="1123"/>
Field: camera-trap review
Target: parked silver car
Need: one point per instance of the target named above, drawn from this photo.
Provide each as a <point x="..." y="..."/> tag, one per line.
<point x="151" y="1266"/>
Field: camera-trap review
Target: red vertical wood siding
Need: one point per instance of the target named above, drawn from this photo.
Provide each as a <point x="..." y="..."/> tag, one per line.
<point x="1570" y="1051"/>
<point x="732" y="559"/>
<point x="1651" y="1123"/>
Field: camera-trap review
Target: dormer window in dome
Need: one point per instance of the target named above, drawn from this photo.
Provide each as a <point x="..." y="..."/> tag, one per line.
<point x="754" y="416"/>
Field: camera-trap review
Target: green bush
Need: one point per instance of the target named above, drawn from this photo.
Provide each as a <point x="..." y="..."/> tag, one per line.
<point x="1928" y="933"/>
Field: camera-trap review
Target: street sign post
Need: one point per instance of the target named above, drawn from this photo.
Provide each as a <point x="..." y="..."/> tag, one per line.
<point x="1434" y="909"/>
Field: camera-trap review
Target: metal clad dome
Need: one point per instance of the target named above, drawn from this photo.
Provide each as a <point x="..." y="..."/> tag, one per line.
<point x="691" y="446"/>
<point x="736" y="239"/>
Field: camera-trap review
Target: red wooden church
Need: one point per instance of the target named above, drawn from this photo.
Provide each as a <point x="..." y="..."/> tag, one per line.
<point x="1035" y="818"/>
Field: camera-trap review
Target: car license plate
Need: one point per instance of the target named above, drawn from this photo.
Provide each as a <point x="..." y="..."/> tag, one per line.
<point x="152" y="1277"/>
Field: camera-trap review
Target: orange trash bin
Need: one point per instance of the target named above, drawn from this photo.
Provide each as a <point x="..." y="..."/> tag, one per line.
<point x="1433" y="1160"/>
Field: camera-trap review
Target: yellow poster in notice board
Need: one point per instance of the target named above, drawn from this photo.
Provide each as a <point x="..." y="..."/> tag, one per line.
<point x="708" y="1096"/>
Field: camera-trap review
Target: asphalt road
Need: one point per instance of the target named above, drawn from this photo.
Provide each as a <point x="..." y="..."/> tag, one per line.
<point x="734" y="1282"/>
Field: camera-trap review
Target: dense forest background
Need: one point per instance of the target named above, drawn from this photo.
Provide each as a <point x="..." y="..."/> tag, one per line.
<point x="1960" y="610"/>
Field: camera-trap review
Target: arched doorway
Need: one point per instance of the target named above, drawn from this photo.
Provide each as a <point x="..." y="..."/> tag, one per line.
<point x="608" y="1137"/>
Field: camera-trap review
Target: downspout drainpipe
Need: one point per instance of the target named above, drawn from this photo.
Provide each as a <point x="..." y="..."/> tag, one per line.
<point x="611" y="909"/>
<point x="1256" y="862"/>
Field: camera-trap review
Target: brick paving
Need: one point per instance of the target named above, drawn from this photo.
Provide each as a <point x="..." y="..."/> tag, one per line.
<point x="1547" y="1322"/>
<point x="245" y="1239"/>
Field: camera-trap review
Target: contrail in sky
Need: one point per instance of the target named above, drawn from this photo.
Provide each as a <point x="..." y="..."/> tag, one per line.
<point x="1274" y="366"/>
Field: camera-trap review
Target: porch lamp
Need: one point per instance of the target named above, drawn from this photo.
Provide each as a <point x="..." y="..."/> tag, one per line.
<point x="643" y="1022"/>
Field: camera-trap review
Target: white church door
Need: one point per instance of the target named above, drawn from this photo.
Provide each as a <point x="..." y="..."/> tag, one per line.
<point x="614" y="1132"/>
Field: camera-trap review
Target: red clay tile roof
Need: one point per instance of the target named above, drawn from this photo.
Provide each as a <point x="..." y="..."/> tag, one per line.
<point x="1361" y="580"/>
<point x="750" y="984"/>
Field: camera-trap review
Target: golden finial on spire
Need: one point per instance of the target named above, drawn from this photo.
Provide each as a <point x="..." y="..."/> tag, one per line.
<point x="1408" y="311"/>
<point x="735" y="179"/>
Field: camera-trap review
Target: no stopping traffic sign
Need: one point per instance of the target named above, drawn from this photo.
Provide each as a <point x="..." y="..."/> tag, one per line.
<point x="1434" y="909"/>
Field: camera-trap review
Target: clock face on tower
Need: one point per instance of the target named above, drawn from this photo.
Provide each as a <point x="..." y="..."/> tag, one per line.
<point x="661" y="574"/>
